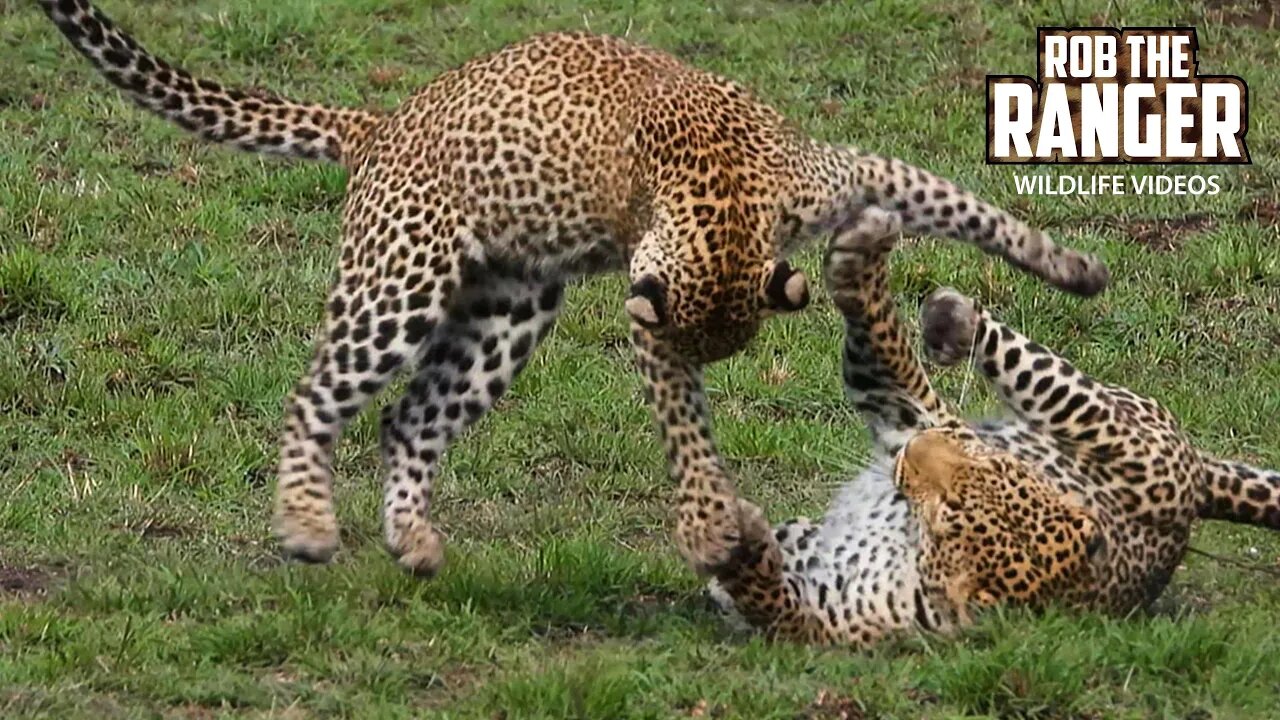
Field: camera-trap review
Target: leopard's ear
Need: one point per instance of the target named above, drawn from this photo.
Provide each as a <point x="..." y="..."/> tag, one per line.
<point x="1084" y="521"/>
<point x="647" y="302"/>
<point x="786" y="289"/>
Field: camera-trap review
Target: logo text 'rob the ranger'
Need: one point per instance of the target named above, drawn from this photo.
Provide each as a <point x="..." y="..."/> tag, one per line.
<point x="1117" y="96"/>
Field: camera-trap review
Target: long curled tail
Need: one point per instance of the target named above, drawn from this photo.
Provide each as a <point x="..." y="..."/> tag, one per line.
<point x="256" y="122"/>
<point x="1240" y="493"/>
<point x="930" y="205"/>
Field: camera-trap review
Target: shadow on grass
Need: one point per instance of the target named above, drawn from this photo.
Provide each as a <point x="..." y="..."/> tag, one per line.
<point x="560" y="589"/>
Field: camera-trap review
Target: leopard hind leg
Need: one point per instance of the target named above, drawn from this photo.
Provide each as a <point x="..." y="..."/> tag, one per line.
<point x="495" y="322"/>
<point x="393" y="290"/>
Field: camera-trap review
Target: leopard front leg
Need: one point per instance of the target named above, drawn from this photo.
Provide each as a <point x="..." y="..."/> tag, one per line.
<point x="1041" y="387"/>
<point x="495" y="323"/>
<point x="882" y="376"/>
<point x="707" y="513"/>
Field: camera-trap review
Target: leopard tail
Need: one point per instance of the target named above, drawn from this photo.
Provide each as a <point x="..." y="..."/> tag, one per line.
<point x="255" y="122"/>
<point x="1240" y="493"/>
<point x="931" y="205"/>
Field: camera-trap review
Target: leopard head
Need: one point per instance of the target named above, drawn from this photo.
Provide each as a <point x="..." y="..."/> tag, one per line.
<point x="708" y="313"/>
<point x="991" y="529"/>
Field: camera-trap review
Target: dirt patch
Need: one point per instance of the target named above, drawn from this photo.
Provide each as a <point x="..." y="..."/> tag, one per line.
<point x="385" y="76"/>
<point x="46" y="175"/>
<point x="1232" y="304"/>
<point x="162" y="530"/>
<point x="1262" y="210"/>
<point x="702" y="709"/>
<point x="920" y="696"/>
<point x="159" y="381"/>
<point x="35" y="101"/>
<point x="1181" y="602"/>
<point x="117" y="381"/>
<point x="694" y="49"/>
<point x="189" y="712"/>
<point x="1256" y="14"/>
<point x="568" y="632"/>
<point x="155" y="529"/>
<point x="830" y="706"/>
<point x="961" y="77"/>
<point x="435" y="690"/>
<point x="74" y="462"/>
<point x="24" y="583"/>
<point x="116" y="341"/>
<point x="1164" y="234"/>
<point x="831" y="108"/>
<point x="152" y="167"/>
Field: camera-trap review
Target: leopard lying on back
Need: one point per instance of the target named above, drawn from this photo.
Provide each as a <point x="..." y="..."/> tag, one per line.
<point x="1085" y="496"/>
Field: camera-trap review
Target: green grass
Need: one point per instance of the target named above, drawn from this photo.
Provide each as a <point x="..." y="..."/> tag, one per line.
<point x="158" y="297"/>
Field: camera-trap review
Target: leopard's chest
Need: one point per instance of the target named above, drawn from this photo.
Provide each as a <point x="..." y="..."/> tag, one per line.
<point x="861" y="574"/>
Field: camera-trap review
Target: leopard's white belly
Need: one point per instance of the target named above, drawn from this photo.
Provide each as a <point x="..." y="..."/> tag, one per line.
<point x="857" y="568"/>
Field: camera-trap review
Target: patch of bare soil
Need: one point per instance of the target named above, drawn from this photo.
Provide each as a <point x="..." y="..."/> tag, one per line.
<point x="1256" y="14"/>
<point x="24" y="583"/>
<point x="1181" y="602"/>
<point x="702" y="709"/>
<point x="1263" y="210"/>
<point x="830" y="706"/>
<point x="385" y="76"/>
<point x="1164" y="234"/>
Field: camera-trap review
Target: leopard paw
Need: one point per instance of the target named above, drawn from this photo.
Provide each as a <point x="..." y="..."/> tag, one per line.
<point x="948" y="322"/>
<point x="873" y="229"/>
<point x="708" y="534"/>
<point x="310" y="535"/>
<point x="752" y="523"/>
<point x="418" y="548"/>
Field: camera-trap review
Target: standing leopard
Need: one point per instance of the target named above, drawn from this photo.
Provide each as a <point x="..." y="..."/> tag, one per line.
<point x="470" y="205"/>
<point x="1086" y="496"/>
